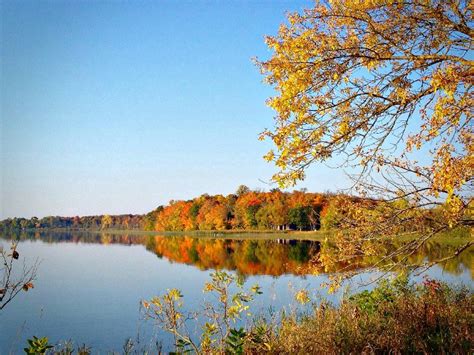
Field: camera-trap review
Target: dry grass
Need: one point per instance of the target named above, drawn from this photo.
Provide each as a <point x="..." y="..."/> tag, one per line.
<point x="394" y="318"/>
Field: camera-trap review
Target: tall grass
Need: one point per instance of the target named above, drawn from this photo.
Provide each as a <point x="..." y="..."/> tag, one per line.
<point x="393" y="318"/>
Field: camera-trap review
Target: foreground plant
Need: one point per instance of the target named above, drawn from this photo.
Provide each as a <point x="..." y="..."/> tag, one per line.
<point x="38" y="345"/>
<point x="42" y="346"/>
<point x="13" y="280"/>
<point x="218" y="333"/>
<point x="231" y="307"/>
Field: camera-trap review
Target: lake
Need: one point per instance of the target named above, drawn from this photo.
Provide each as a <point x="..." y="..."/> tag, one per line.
<point x="89" y="285"/>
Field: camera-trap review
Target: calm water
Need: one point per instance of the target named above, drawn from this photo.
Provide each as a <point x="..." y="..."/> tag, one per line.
<point x="89" y="286"/>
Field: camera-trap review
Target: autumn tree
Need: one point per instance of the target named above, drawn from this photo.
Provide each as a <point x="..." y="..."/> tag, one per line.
<point x="106" y="221"/>
<point x="279" y="207"/>
<point x="213" y="214"/>
<point x="381" y="83"/>
<point x="242" y="190"/>
<point x="175" y="217"/>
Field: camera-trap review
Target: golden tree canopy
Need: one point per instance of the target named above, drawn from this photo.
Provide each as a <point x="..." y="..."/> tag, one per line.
<point x="373" y="81"/>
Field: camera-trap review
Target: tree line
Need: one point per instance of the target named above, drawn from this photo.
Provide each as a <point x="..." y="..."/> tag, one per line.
<point x="245" y="209"/>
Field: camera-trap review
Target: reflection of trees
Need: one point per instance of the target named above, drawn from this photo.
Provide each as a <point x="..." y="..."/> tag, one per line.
<point x="270" y="257"/>
<point x="258" y="257"/>
<point x="248" y="257"/>
<point x="431" y="252"/>
<point x="78" y="237"/>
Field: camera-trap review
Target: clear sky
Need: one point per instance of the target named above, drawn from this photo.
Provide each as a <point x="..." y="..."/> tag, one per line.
<point x="118" y="107"/>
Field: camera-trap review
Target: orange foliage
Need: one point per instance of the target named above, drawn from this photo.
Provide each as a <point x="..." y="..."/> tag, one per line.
<point x="249" y="210"/>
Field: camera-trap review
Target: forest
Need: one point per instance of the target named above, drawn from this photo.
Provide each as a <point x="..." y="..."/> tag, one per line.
<point x="244" y="210"/>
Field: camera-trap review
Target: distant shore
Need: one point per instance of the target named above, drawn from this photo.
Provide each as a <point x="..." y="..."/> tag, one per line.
<point x="235" y="234"/>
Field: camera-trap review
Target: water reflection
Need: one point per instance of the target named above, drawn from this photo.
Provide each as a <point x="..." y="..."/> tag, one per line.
<point x="262" y="256"/>
<point x="247" y="257"/>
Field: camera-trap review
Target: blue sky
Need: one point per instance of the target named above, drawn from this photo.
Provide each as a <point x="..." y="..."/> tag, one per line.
<point x="117" y="107"/>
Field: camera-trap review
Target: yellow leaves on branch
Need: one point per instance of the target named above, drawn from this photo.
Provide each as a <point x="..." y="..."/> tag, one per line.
<point x="447" y="79"/>
<point x="359" y="77"/>
<point x="450" y="173"/>
<point x="302" y="296"/>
